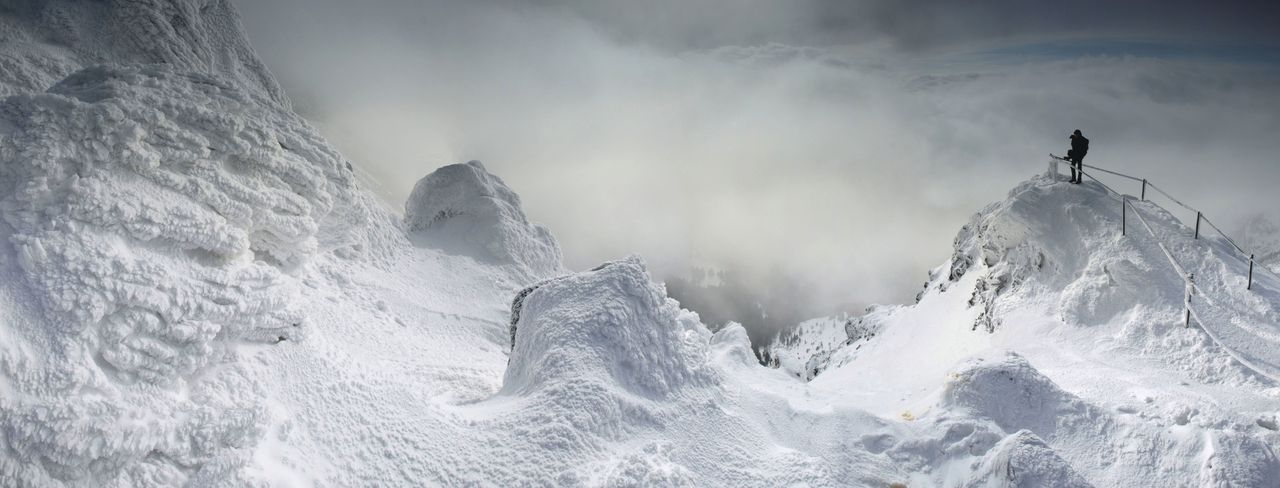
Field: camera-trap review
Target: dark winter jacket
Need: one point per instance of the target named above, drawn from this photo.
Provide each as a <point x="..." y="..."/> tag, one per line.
<point x="1079" y="145"/>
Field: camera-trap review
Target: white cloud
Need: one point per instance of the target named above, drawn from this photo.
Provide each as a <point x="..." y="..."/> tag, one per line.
<point x="849" y="167"/>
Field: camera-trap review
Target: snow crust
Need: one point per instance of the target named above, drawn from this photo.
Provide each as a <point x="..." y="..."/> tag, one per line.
<point x="463" y="208"/>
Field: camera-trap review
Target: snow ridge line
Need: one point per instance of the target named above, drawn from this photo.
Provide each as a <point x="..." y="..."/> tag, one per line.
<point x="1191" y="285"/>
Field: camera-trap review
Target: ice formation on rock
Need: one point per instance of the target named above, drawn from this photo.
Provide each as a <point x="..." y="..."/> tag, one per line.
<point x="611" y="325"/>
<point x="41" y="42"/>
<point x="463" y="208"/>
<point x="156" y="216"/>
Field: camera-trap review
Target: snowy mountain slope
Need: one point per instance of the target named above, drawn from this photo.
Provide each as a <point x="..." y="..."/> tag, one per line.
<point x="194" y="291"/>
<point x="1095" y="319"/>
<point x="611" y="384"/>
<point x="43" y="41"/>
<point x="807" y="349"/>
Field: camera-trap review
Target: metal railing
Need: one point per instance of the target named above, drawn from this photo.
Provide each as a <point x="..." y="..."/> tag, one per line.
<point x="1249" y="257"/>
<point x="1126" y="203"/>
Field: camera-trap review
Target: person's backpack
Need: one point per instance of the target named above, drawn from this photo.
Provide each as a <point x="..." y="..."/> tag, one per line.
<point x="1084" y="148"/>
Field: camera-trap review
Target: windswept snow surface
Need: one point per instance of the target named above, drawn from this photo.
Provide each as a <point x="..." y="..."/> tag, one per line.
<point x="194" y="291"/>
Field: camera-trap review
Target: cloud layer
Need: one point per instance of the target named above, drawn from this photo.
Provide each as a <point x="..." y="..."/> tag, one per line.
<point x="830" y="148"/>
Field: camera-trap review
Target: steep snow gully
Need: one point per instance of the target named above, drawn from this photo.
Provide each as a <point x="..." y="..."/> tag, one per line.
<point x="195" y="291"/>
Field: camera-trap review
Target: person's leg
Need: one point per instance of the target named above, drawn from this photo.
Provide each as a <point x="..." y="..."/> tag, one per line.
<point x="1079" y="168"/>
<point x="1071" y="160"/>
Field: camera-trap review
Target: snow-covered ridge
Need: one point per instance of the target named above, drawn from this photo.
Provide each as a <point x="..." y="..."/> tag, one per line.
<point x="194" y="292"/>
<point x="41" y="42"/>
<point x="1047" y="273"/>
<point x="1062" y="247"/>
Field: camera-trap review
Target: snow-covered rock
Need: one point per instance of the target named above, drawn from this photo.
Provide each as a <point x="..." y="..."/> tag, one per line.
<point x="1022" y="460"/>
<point x="612" y="326"/>
<point x="41" y="42"/>
<point x="808" y="348"/>
<point x="1008" y="391"/>
<point x="462" y="208"/>
<point x="732" y="343"/>
<point x="156" y="216"/>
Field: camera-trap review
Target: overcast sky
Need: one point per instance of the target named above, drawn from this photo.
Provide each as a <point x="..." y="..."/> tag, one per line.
<point x="840" y="143"/>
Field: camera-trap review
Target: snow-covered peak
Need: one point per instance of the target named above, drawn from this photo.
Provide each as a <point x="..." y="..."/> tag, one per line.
<point x="1060" y="248"/>
<point x="42" y="42"/>
<point x="1048" y="318"/>
<point x="464" y="209"/>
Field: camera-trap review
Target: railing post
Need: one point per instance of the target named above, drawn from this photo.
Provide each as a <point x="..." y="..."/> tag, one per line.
<point x="1124" y="215"/>
<point x="1197" y="224"/>
<point x="1144" y="189"/>
<point x="1250" y="285"/>
<point x="1191" y="279"/>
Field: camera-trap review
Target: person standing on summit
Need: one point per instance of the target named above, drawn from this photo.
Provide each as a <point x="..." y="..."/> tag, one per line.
<point x="1079" y="147"/>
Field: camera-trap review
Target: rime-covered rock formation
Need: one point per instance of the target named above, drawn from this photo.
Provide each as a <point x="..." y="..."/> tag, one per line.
<point x="462" y="208"/>
<point x="42" y="42"/>
<point x="156" y="216"/>
<point x="611" y="326"/>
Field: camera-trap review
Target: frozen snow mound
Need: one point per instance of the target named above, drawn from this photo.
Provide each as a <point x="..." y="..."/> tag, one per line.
<point x="42" y="42"/>
<point x="1023" y="460"/>
<point x="732" y="342"/>
<point x="157" y="217"/>
<point x="464" y="209"/>
<point x="611" y="326"/>
<point x="1010" y="392"/>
